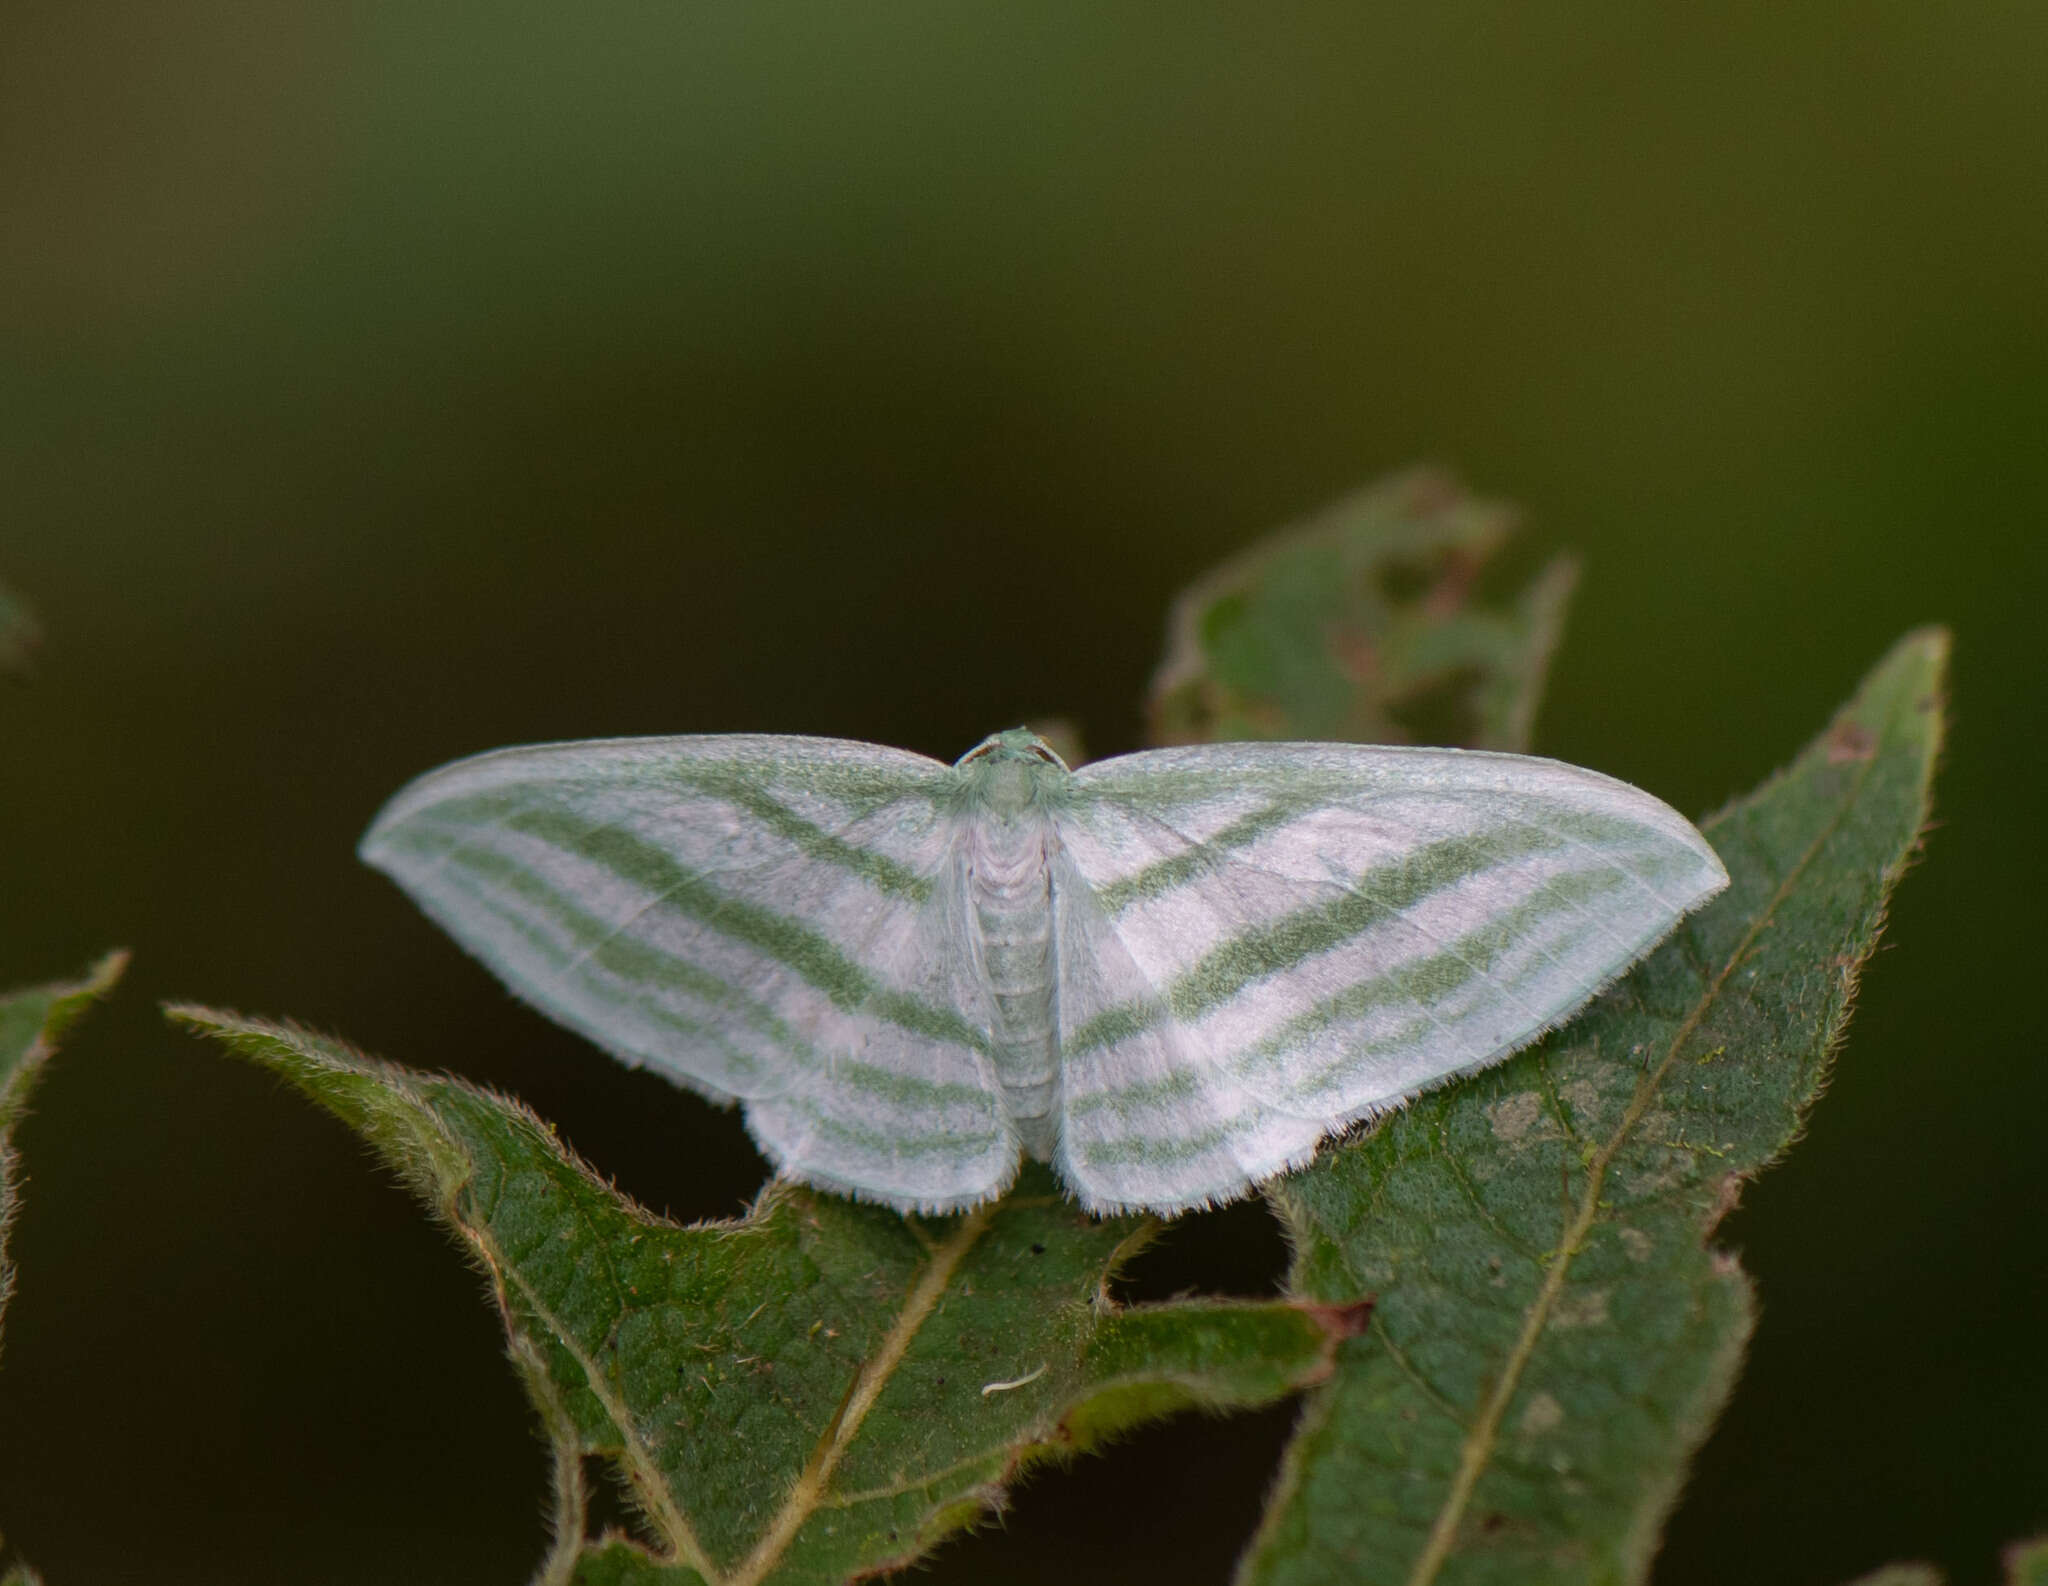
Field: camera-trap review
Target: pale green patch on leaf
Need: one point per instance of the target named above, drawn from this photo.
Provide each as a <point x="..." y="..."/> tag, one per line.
<point x="1361" y="625"/>
<point x="824" y="1389"/>
<point x="1553" y="1335"/>
<point x="20" y="633"/>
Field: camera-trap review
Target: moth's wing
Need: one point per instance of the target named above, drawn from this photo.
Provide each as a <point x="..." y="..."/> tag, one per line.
<point x="1266" y="942"/>
<point x="773" y="920"/>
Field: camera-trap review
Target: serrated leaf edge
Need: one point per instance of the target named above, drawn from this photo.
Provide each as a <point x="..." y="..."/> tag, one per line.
<point x="438" y="1175"/>
<point x="68" y="1003"/>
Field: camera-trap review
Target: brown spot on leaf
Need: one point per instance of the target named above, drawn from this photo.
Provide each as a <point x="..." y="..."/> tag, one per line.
<point x="1583" y="1097"/>
<point x="1355" y="655"/>
<point x="1496" y="1529"/>
<point x="1454" y="583"/>
<point x="1580" y="1308"/>
<point x="1850" y="742"/>
<point x="1344" y="1321"/>
<point x="1514" y="1116"/>
<point x="1726" y="1193"/>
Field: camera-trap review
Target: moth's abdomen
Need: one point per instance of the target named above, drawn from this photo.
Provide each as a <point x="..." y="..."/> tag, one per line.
<point x="1013" y="912"/>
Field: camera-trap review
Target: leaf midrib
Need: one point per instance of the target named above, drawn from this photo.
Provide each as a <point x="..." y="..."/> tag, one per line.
<point x="808" y="1493"/>
<point x="1477" y="1446"/>
<point x="875" y="1372"/>
<point x="665" y="1513"/>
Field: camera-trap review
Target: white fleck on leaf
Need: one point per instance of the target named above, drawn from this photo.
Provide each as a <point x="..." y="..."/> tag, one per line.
<point x="1580" y="1308"/>
<point x="1544" y="1414"/>
<point x="1514" y="1116"/>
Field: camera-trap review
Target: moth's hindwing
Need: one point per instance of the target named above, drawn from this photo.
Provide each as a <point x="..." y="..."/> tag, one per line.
<point x="1262" y="943"/>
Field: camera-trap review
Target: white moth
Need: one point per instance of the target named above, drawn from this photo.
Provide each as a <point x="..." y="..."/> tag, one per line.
<point x="1171" y="974"/>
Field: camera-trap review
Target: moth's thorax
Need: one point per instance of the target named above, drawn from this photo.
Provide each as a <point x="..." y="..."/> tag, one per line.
<point x="1010" y="774"/>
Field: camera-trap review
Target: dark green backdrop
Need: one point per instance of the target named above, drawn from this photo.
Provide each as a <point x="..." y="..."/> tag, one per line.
<point x="380" y="383"/>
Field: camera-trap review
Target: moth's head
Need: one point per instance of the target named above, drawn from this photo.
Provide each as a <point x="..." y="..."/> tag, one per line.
<point x="1018" y="746"/>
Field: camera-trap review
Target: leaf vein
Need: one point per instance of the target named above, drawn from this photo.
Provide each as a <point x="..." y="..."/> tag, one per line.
<point x="1479" y="1443"/>
<point x="1485" y="1213"/>
<point x="648" y="1483"/>
<point x="808" y="1493"/>
<point x="1439" y="1400"/>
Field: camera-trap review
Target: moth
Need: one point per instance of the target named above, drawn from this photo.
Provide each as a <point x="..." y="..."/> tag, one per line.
<point x="1171" y="974"/>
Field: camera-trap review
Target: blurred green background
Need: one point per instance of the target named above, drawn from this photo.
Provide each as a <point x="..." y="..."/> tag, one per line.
<point x="380" y="383"/>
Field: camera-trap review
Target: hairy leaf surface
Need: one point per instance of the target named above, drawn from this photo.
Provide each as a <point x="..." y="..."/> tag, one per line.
<point x="1552" y="1335"/>
<point x="822" y="1390"/>
<point x="32" y="1021"/>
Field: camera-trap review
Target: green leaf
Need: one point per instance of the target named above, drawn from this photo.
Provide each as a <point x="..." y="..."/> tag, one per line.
<point x="1553" y="1336"/>
<point x="20" y="633"/>
<point x="2026" y="1563"/>
<point x="821" y="1390"/>
<point x="1361" y="625"/>
<point x="32" y="1021"/>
